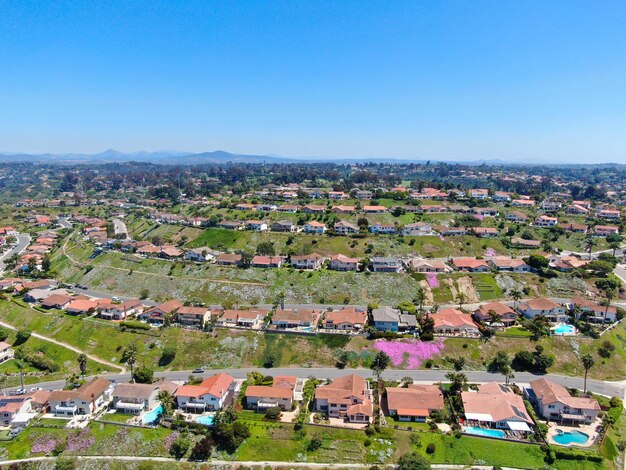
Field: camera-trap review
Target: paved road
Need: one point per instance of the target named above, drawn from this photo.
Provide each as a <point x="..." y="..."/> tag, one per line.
<point x="119" y="227"/>
<point x="429" y="376"/>
<point x="105" y="295"/>
<point x="64" y="223"/>
<point x="23" y="240"/>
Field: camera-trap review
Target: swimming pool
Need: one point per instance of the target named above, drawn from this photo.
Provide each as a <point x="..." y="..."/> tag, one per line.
<point x="152" y="416"/>
<point x="570" y="437"/>
<point x="207" y="420"/>
<point x="563" y="329"/>
<point x="484" y="432"/>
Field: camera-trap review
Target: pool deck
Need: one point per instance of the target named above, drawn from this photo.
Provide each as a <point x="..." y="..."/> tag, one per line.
<point x="589" y="429"/>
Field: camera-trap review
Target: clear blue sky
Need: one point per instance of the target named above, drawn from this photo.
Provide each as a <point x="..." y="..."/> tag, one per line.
<point x="524" y="80"/>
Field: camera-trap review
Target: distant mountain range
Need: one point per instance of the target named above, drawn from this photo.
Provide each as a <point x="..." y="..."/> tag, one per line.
<point x="171" y="157"/>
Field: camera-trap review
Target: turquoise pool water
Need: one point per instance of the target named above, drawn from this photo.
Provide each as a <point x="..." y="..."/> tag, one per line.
<point x="570" y="437"/>
<point x="206" y="420"/>
<point x="153" y="416"/>
<point x="484" y="432"/>
<point x="564" y="330"/>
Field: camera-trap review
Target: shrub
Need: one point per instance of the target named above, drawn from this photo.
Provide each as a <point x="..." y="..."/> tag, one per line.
<point x="167" y="356"/>
<point x="431" y="448"/>
<point x="273" y="414"/>
<point x="21" y="337"/>
<point x="135" y="325"/>
<point x="367" y="442"/>
<point x="315" y="443"/>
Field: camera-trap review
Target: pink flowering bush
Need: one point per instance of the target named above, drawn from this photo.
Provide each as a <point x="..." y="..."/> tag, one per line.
<point x="490" y="252"/>
<point x="169" y="439"/>
<point x="413" y="351"/>
<point x="432" y="280"/>
<point x="44" y="444"/>
<point x="80" y="441"/>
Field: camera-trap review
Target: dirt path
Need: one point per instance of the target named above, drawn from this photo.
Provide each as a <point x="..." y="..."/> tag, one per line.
<point x="70" y="347"/>
<point x="135" y="271"/>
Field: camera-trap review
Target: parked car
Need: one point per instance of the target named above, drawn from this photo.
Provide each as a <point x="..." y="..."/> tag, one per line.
<point x="198" y="370"/>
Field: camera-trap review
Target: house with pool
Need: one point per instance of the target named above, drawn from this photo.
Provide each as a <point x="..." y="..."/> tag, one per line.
<point x="415" y="402"/>
<point x="494" y="410"/>
<point x="212" y="394"/>
<point x="554" y="312"/>
<point x="132" y="398"/>
<point x="554" y="402"/>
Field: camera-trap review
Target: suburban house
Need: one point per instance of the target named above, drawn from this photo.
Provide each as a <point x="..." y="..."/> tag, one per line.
<point x="508" y="264"/>
<point x="87" y="399"/>
<point x="471" y="264"/>
<point x="314" y="209"/>
<point x="193" y="316"/>
<point x="159" y="314"/>
<point x="523" y="203"/>
<point x="84" y="306"/>
<point x="501" y="196"/>
<point x="546" y="221"/>
<point x="134" y="398"/>
<point x="261" y="261"/>
<point x="229" y="259"/>
<point x="577" y="209"/>
<point x="212" y="394"/>
<point x="312" y="261"/>
<point x="568" y="263"/>
<point x="201" y="254"/>
<point x="611" y="214"/>
<point x="59" y="301"/>
<point x="516" y="216"/>
<point x="284" y="226"/>
<point x="122" y="310"/>
<point x="421" y="265"/>
<point x="383" y="228"/>
<point x="343" y="263"/>
<point x="390" y="319"/>
<point x="347" y="318"/>
<point x="343" y="209"/>
<point x="574" y="228"/>
<point x="347" y="397"/>
<point x="418" y="229"/>
<point x="485" y="232"/>
<point x="315" y="227"/>
<point x="546" y="307"/>
<point x="16" y="411"/>
<point x="555" y="403"/>
<point x="596" y="313"/>
<point x="497" y="406"/>
<point x="345" y="228"/>
<point x="605" y="230"/>
<point x="295" y="319"/>
<point x="385" y="264"/>
<point x="374" y="209"/>
<point x="415" y="402"/>
<point x="256" y="225"/>
<point x="450" y="321"/>
<point x="230" y="225"/>
<point x="495" y="314"/>
<point x="486" y="211"/>
<point x="478" y="193"/>
<point x="6" y="352"/>
<point x="551" y="206"/>
<point x="451" y="231"/>
<point x="242" y="318"/>
<point x="279" y="394"/>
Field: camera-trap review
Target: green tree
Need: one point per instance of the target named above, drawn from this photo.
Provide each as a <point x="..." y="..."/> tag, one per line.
<point x="615" y="241"/>
<point x="82" y="363"/>
<point x="413" y="461"/>
<point x="144" y="375"/>
<point x="420" y="298"/>
<point x="129" y="356"/>
<point x="167" y="356"/>
<point x="380" y="363"/>
<point x="179" y="447"/>
<point x="21" y="337"/>
<point x="4" y="333"/>
<point x="265" y="249"/>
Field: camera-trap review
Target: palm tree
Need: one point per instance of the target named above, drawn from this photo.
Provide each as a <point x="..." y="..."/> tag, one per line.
<point x="610" y="294"/>
<point x="590" y="243"/>
<point x="420" y="297"/>
<point x="460" y="298"/>
<point x="82" y="363"/>
<point x="131" y="360"/>
<point x="507" y="371"/>
<point x="167" y="402"/>
<point x="588" y="363"/>
<point x="458" y="381"/>
<point x="517" y="295"/>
